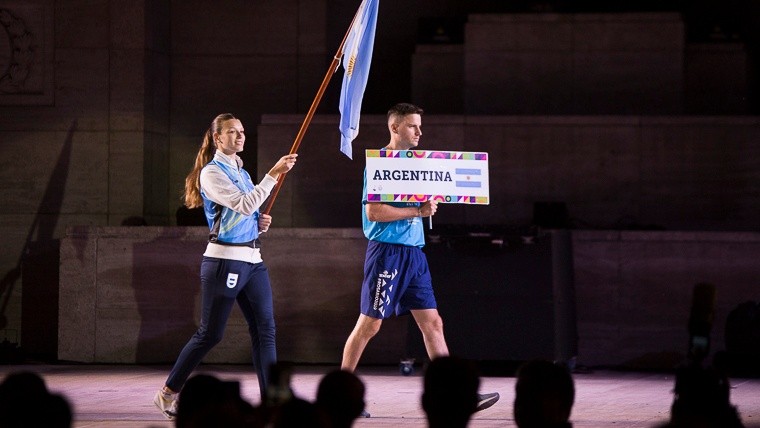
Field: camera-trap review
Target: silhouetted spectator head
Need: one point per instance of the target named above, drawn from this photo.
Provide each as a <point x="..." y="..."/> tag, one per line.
<point x="544" y="395"/>
<point x="25" y="383"/>
<point x="57" y="413"/>
<point x="450" y="394"/>
<point x="702" y="400"/>
<point x="26" y="402"/>
<point x="299" y="413"/>
<point x="206" y="402"/>
<point x="341" y="395"/>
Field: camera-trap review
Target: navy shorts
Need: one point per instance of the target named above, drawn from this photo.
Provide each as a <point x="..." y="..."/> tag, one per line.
<point x="396" y="280"/>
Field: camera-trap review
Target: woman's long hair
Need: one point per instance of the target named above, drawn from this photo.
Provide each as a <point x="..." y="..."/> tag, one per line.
<point x="192" y="195"/>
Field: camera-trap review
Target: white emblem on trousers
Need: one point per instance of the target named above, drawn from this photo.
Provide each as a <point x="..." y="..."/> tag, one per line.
<point x="232" y="280"/>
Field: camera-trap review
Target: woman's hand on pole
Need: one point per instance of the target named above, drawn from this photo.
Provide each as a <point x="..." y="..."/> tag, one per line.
<point x="265" y="220"/>
<point x="283" y="165"/>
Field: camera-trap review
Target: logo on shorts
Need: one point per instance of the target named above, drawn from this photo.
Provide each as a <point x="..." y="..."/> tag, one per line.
<point x="232" y="280"/>
<point x="387" y="275"/>
<point x="382" y="297"/>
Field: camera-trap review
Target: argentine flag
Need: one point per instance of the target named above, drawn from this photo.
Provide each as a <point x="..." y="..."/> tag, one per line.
<point x="357" y="57"/>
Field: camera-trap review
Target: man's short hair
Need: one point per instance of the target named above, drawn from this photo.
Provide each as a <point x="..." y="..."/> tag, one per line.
<point x="404" y="109"/>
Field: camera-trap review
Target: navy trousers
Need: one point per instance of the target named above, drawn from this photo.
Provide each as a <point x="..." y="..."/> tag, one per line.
<point x="222" y="283"/>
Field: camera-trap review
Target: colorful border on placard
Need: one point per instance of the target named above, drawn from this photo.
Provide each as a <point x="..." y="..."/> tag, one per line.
<point x="421" y="154"/>
<point x="452" y="199"/>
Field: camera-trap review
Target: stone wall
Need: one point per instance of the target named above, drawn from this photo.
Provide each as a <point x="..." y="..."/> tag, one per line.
<point x="103" y="104"/>
<point x="85" y="135"/>
<point x="634" y="291"/>
<point x="613" y="172"/>
<point x="130" y="295"/>
<point x="539" y="64"/>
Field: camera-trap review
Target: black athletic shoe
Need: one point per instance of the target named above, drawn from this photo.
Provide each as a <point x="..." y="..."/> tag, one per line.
<point x="486" y="400"/>
<point x="364" y="414"/>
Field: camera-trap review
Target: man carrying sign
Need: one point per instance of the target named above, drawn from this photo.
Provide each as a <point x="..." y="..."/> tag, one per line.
<point x="396" y="275"/>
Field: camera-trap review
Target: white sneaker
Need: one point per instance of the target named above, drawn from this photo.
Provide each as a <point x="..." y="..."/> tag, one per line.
<point x="166" y="403"/>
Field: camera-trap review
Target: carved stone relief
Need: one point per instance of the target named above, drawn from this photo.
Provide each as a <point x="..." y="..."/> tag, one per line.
<point x="26" y="46"/>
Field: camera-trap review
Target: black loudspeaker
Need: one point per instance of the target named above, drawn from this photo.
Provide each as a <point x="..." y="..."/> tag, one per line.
<point x="191" y="216"/>
<point x="39" y="300"/>
<point x="504" y="296"/>
<point x="551" y="215"/>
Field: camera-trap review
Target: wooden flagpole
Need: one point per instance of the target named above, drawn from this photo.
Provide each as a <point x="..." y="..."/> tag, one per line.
<point x="310" y="114"/>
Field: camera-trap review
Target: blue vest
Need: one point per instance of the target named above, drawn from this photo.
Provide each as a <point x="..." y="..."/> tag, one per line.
<point x="227" y="226"/>
<point x="405" y="232"/>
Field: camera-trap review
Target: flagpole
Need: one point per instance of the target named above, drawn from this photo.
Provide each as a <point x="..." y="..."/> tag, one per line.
<point x="310" y="114"/>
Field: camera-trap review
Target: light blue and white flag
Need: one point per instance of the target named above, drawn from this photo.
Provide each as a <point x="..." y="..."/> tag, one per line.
<point x="357" y="57"/>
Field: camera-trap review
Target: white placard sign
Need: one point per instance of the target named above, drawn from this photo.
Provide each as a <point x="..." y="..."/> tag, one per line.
<point x="421" y="175"/>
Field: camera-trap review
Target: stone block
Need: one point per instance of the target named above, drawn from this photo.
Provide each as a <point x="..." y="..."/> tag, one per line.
<point x="632" y="32"/>
<point x="716" y="80"/>
<point x="633" y="291"/>
<point x="323" y="176"/>
<point x="126" y="86"/>
<point x="437" y="76"/>
<point x="87" y="184"/>
<point x="612" y="171"/>
<point x="312" y="69"/>
<point x="116" y="335"/>
<point x="82" y="87"/>
<point x="127" y="25"/>
<point x="487" y="33"/>
<point x="77" y="318"/>
<point x="143" y="285"/>
<point x="158" y="26"/>
<point x="636" y="288"/>
<point x="82" y="24"/>
<point x="50" y="155"/>
<point x="156" y="186"/>
<point x="262" y="84"/>
<point x="183" y="150"/>
<point x="28" y="50"/>
<point x="695" y="165"/>
<point x="312" y="21"/>
<point x="157" y="92"/>
<point x="126" y="182"/>
<point x="207" y="26"/>
<point x="621" y="82"/>
<point x="574" y="64"/>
